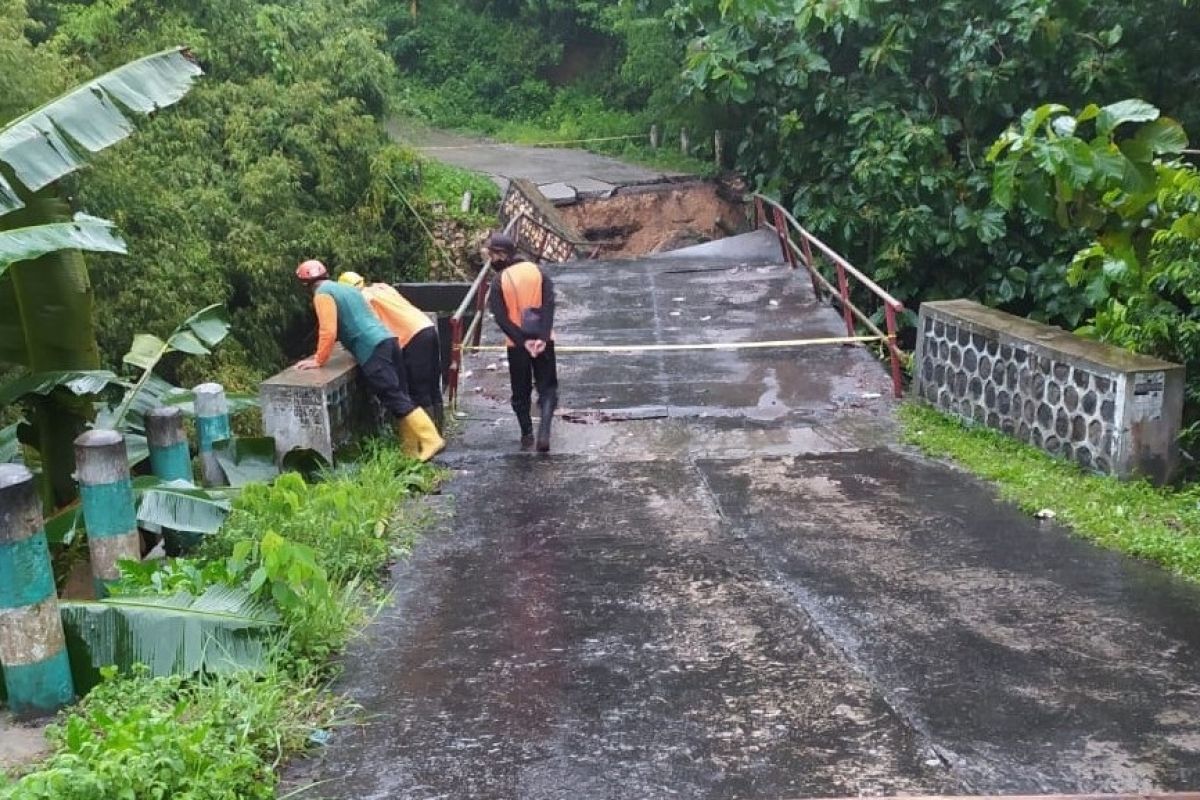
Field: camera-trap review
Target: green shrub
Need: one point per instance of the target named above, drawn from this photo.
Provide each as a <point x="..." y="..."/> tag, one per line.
<point x="444" y="184"/>
<point x="137" y="737"/>
<point x="347" y="519"/>
<point x="315" y="550"/>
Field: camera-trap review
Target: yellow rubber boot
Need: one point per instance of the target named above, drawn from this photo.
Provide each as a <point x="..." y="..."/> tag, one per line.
<point x="429" y="441"/>
<point x="410" y="445"/>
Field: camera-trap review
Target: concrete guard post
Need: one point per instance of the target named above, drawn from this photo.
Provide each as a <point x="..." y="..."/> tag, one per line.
<point x="171" y="460"/>
<point x="37" y="675"/>
<point x="212" y="425"/>
<point x="106" y="494"/>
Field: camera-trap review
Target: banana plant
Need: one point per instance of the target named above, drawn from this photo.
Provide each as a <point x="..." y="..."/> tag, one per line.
<point x="203" y="330"/>
<point x="46" y="320"/>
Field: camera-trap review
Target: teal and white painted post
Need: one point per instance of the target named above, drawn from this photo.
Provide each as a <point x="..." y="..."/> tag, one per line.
<point x="171" y="460"/>
<point x="169" y="455"/>
<point x="212" y="425"/>
<point x="37" y="675"/>
<point x="106" y="494"/>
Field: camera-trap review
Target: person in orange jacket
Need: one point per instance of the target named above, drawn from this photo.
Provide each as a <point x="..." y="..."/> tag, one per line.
<point x="418" y="339"/>
<point x="343" y="316"/>
<point x="522" y="301"/>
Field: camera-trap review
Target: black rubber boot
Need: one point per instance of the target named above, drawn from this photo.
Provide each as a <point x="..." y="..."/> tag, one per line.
<point x="546" y="407"/>
<point x="526" y="423"/>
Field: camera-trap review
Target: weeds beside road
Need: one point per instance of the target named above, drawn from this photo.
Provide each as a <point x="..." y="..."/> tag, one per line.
<point x="316" y="552"/>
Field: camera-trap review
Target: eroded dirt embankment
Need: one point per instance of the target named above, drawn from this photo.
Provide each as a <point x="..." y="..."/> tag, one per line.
<point x="639" y="220"/>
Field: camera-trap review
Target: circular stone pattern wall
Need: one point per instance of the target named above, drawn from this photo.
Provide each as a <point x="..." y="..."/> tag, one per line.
<point x="1065" y="409"/>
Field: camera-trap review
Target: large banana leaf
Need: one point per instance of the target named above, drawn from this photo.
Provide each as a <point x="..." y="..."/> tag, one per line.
<point x="46" y="320"/>
<point x="83" y="233"/>
<point x="180" y="506"/>
<point x="150" y="395"/>
<point x="46" y="303"/>
<point x="49" y="142"/>
<point x="78" y="382"/>
<point x="185" y="400"/>
<point x="247" y="459"/>
<point x="64" y="524"/>
<point x="225" y="628"/>
<point x="46" y="325"/>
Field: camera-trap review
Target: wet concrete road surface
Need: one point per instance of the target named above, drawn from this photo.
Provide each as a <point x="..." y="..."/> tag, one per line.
<point x="727" y="582"/>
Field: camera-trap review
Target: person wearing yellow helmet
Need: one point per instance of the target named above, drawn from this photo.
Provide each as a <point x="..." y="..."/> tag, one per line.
<point x="352" y="279"/>
<point x="418" y="339"/>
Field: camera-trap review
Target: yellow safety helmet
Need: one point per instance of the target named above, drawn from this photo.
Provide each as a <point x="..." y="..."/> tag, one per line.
<point x="352" y="279"/>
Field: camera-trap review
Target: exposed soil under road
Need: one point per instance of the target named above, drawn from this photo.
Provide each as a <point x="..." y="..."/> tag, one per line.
<point x="654" y="219"/>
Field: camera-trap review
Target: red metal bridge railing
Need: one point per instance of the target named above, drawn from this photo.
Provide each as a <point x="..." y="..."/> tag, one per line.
<point x="789" y="230"/>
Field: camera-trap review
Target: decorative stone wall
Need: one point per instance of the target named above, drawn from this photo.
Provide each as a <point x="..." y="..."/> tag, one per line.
<point x="543" y="232"/>
<point x="1109" y="410"/>
<point x="320" y="409"/>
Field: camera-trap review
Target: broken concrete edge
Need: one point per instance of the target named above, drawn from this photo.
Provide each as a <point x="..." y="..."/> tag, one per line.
<point x="566" y="193"/>
<point x="1110" y="410"/>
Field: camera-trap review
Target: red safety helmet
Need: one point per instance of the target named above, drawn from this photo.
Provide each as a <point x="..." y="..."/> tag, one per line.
<point x="312" y="270"/>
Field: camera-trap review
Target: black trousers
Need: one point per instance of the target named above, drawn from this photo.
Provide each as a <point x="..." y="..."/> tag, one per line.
<point x="423" y="366"/>
<point x="387" y="378"/>
<point x="525" y="372"/>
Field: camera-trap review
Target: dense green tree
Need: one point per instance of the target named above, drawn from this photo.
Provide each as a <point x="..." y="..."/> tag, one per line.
<point x="281" y="155"/>
<point x="871" y="119"/>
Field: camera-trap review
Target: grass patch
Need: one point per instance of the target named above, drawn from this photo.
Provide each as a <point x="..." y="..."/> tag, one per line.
<point x="141" y="737"/>
<point x="1159" y="525"/>
<point x="443" y="185"/>
<point x="316" y="552"/>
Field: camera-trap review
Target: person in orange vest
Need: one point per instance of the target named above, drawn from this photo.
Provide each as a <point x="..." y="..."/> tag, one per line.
<point x="522" y="301"/>
<point x="418" y="339"/>
<point x="343" y="316"/>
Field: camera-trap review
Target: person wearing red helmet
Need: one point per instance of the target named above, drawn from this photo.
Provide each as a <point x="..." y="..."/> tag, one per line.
<point x="343" y="316"/>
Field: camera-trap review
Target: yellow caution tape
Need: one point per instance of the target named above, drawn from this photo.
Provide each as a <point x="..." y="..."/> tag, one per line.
<point x="659" y="348"/>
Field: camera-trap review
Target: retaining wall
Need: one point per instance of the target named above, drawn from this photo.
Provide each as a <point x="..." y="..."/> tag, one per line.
<point x="1110" y="410"/>
<point x="543" y="232"/>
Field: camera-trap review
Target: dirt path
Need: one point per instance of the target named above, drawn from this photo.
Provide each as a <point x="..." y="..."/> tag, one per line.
<point x="727" y="581"/>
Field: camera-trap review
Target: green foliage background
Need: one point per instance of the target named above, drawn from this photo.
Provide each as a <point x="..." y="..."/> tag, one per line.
<point x="279" y="155"/>
<point x="870" y="119"/>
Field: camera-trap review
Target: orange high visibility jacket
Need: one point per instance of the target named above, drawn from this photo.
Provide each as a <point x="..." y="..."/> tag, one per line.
<point x="516" y="290"/>
<point x="401" y="317"/>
